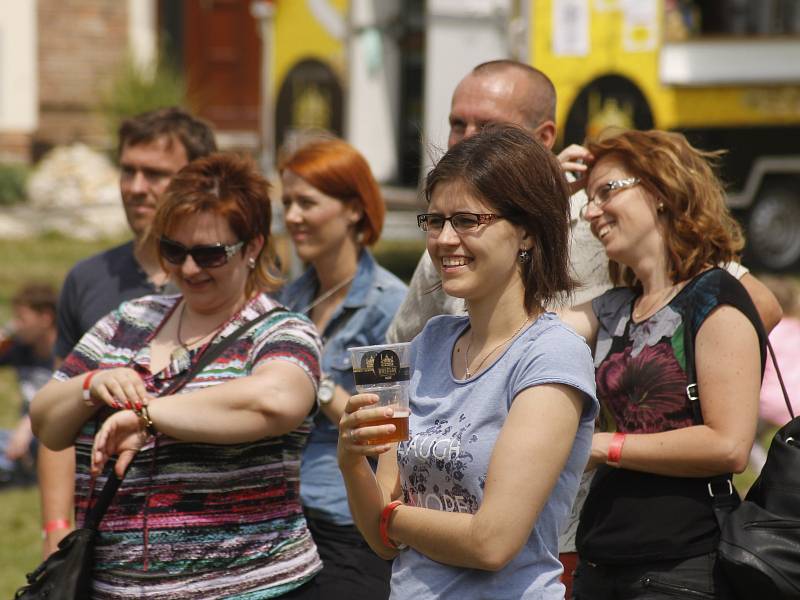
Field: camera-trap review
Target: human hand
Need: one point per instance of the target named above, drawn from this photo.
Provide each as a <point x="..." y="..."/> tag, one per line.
<point x="52" y="539"/>
<point x="576" y="159"/>
<point x="122" y="434"/>
<point x="19" y="441"/>
<point x="118" y="388"/>
<point x="355" y="429"/>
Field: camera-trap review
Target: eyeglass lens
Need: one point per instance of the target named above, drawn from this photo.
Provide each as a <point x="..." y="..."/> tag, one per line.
<point x="203" y="256"/>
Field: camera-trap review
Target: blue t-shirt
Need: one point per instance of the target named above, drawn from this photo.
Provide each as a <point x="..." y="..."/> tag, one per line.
<point x="454" y="426"/>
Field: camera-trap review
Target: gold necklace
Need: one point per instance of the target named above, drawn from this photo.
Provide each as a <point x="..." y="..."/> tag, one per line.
<point x="666" y="293"/>
<point x="467" y="372"/>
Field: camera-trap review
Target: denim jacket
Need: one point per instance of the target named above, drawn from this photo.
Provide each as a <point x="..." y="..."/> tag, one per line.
<point x="361" y="320"/>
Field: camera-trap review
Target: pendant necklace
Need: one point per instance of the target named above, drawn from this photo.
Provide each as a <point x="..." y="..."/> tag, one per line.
<point x="328" y="294"/>
<point x="467" y="372"/>
<point x="182" y="354"/>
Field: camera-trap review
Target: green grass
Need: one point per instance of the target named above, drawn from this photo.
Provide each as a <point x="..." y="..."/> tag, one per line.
<point x="46" y="258"/>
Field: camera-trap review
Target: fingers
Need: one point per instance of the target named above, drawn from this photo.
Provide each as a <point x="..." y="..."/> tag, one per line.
<point x="359" y="401"/>
<point x="119" y="388"/>
<point x="124" y="459"/>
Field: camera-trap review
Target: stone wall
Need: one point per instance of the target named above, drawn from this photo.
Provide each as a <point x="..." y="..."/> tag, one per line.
<point x="80" y="44"/>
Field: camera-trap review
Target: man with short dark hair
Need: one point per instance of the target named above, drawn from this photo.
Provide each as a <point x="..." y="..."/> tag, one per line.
<point x="153" y="147"/>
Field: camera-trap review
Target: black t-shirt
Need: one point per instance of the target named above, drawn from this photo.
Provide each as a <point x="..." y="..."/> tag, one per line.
<point x="635" y="517"/>
<point x="93" y="288"/>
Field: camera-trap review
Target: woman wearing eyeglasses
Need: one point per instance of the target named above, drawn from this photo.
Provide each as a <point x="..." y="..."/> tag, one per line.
<point x="209" y="507"/>
<point x="333" y="211"/>
<point x="502" y="400"/>
<point x="648" y="527"/>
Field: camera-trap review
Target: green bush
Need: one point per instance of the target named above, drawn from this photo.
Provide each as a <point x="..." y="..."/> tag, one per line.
<point x="399" y="256"/>
<point x="12" y="183"/>
<point x="135" y="90"/>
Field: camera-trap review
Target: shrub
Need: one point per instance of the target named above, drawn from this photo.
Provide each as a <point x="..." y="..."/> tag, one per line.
<point x="12" y="183"/>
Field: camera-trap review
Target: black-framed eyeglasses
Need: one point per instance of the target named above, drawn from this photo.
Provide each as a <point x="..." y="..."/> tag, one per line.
<point x="606" y="191"/>
<point x="204" y="256"/>
<point x="461" y="222"/>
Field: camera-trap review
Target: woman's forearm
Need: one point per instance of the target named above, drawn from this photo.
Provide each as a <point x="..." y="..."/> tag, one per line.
<point x="58" y="412"/>
<point x="238" y="411"/>
<point x="366" y="500"/>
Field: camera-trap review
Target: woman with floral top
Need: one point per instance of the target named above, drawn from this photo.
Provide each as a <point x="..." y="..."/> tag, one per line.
<point x="648" y="528"/>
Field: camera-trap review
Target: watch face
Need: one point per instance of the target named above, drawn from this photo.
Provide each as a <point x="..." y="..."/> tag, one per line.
<point x="325" y="392"/>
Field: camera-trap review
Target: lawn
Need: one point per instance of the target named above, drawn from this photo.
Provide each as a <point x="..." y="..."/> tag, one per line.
<point x="48" y="259"/>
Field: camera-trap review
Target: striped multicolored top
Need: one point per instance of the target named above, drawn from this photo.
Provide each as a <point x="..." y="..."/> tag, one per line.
<point x="197" y="520"/>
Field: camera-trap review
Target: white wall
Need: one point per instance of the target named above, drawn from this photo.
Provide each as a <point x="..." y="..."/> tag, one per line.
<point x="142" y="34"/>
<point x="19" y="90"/>
<point x="373" y="96"/>
<point x="460" y="34"/>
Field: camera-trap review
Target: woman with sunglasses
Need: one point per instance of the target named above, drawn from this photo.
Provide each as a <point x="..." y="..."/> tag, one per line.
<point x="209" y="507"/>
<point x="502" y="400"/>
<point x="648" y="527"/>
<point x="333" y="211"/>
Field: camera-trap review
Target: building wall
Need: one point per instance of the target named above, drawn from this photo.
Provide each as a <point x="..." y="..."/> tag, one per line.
<point x="80" y="44"/>
<point x="18" y="84"/>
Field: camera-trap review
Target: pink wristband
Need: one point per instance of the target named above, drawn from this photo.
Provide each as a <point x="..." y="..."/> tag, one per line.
<point x="55" y="525"/>
<point x="615" y="449"/>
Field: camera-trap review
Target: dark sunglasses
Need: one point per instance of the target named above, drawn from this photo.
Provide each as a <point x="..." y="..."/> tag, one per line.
<point x="205" y="257"/>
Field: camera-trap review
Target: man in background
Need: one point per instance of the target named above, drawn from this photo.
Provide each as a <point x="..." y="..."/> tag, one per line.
<point x="27" y="347"/>
<point x="153" y="147"/>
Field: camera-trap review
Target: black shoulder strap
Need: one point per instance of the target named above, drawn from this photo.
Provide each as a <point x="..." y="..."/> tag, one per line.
<point x="98" y="511"/>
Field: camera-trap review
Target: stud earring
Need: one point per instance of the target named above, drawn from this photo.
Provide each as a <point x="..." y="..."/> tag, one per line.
<point x="251" y="263"/>
<point x="524" y="256"/>
<point x="660" y="207"/>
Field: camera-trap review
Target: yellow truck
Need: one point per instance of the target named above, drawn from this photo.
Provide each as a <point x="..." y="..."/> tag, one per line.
<point x="726" y="73"/>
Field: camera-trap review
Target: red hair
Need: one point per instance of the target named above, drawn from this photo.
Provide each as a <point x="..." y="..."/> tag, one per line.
<point x="231" y="187"/>
<point x="338" y="170"/>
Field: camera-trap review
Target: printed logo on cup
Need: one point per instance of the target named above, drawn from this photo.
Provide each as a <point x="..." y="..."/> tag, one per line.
<point x="379" y="368"/>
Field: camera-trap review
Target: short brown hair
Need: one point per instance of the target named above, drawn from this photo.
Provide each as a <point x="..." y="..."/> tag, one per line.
<point x="338" y="170"/>
<point x="230" y="186"/>
<point x="38" y="296"/>
<point x="511" y="171"/>
<point x="173" y="123"/>
<point x="699" y="230"/>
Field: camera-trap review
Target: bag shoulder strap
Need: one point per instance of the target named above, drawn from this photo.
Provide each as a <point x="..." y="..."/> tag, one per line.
<point x="96" y="513"/>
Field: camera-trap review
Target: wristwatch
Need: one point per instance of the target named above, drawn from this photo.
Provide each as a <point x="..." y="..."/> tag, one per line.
<point x="326" y="390"/>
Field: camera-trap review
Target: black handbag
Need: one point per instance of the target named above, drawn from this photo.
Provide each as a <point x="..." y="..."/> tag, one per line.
<point x="759" y="548"/>
<point x="67" y="573"/>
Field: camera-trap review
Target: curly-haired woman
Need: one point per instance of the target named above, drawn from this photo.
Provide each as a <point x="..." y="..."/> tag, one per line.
<point x="648" y="528"/>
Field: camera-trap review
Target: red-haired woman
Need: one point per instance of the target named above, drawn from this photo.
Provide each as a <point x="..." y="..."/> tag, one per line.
<point x="209" y="506"/>
<point x="648" y="527"/>
<point x="333" y="210"/>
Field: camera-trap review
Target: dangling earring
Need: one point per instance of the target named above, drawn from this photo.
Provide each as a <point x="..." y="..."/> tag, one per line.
<point x="251" y="263"/>
<point x="660" y="207"/>
<point x="524" y="256"/>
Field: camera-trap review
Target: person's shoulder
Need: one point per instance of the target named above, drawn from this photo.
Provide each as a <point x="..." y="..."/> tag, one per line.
<point x="442" y="325"/>
<point x="387" y="282"/>
<point x="612" y="305"/>
<point x="550" y="333"/>
<point x="280" y="318"/>
<point x="146" y="308"/>
<point x="104" y="259"/>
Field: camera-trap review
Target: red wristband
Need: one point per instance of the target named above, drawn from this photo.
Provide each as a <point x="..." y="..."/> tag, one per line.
<point x="55" y="525"/>
<point x="384" y="527"/>
<point x="615" y="449"/>
<point x="87" y="394"/>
